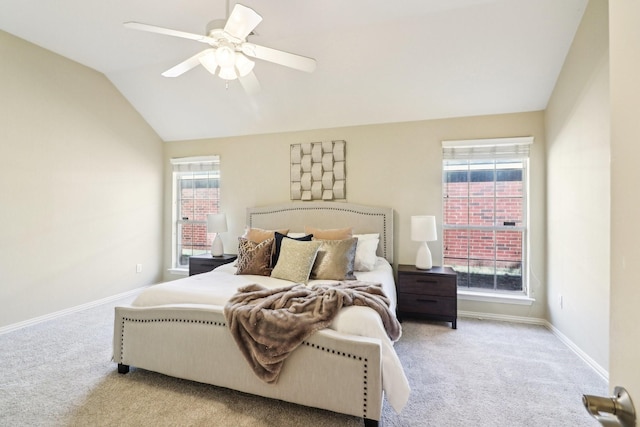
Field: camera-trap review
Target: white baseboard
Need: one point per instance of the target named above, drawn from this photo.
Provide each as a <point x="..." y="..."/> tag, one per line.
<point x="51" y="316"/>
<point x="584" y="356"/>
<point x="502" y="317"/>
<point x="542" y="322"/>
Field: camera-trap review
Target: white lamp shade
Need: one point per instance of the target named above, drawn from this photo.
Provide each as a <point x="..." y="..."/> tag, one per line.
<point x="216" y="223"/>
<point x="423" y="228"/>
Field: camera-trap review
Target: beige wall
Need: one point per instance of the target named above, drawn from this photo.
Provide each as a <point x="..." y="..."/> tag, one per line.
<point x="80" y="186"/>
<point x="578" y="194"/>
<point x="625" y="205"/>
<point x="397" y="165"/>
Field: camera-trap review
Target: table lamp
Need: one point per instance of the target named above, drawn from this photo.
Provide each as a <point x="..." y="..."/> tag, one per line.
<point x="217" y="223"/>
<point x="423" y="230"/>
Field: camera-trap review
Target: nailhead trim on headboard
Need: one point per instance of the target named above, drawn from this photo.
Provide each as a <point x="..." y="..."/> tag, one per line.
<point x="384" y="214"/>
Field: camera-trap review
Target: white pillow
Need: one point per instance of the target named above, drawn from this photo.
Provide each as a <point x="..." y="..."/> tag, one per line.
<point x="366" y="249"/>
<point x="296" y="235"/>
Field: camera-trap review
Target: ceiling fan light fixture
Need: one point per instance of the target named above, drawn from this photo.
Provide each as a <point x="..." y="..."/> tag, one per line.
<point x="244" y="65"/>
<point x="208" y="61"/>
<point x="228" y="73"/>
<point x="225" y="56"/>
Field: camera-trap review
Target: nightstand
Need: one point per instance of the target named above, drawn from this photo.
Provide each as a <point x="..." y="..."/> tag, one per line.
<point x="205" y="262"/>
<point x="428" y="293"/>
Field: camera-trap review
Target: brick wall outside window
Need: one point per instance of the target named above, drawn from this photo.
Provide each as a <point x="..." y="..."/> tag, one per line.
<point x="196" y="194"/>
<point x="482" y="209"/>
<point x="485" y="258"/>
<point x="195" y="205"/>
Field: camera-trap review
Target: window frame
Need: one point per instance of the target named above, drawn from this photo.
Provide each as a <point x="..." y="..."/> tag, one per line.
<point x="499" y="149"/>
<point x="181" y="167"/>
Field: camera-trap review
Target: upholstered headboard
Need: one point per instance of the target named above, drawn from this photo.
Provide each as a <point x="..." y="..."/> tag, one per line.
<point x="294" y="216"/>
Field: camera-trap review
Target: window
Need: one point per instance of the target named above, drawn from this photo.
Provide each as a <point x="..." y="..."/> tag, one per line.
<point x="196" y="193"/>
<point x="485" y="213"/>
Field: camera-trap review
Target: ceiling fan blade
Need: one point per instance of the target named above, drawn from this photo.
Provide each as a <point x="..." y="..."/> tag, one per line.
<point x="250" y="83"/>
<point x="186" y="65"/>
<point x="170" y="32"/>
<point x="287" y="59"/>
<point x="242" y="21"/>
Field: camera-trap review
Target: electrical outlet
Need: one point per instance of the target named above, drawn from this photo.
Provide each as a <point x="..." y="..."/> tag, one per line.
<point x="138" y="268"/>
<point x="561" y="301"/>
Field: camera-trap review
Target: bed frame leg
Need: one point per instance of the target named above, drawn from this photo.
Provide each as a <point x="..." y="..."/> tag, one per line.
<point x="123" y="369"/>
<point x="372" y="423"/>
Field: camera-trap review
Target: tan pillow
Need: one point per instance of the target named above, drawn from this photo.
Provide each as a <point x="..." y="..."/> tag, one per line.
<point x="259" y="235"/>
<point x="335" y="260"/>
<point x="330" y="233"/>
<point x="254" y="258"/>
<point x="296" y="260"/>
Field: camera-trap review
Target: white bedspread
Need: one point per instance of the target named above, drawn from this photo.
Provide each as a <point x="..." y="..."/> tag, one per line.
<point x="216" y="287"/>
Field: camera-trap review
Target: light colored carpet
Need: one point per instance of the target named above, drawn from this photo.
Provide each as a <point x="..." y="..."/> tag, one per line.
<point x="485" y="373"/>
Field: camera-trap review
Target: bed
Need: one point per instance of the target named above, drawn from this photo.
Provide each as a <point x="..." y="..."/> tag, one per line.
<point x="178" y="328"/>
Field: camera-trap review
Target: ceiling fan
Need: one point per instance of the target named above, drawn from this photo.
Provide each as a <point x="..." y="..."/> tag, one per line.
<point x="228" y="55"/>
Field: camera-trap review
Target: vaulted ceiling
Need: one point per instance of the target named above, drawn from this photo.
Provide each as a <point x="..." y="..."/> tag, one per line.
<point x="378" y="61"/>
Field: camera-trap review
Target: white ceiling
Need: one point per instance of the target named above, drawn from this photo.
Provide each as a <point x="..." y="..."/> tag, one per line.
<point x="378" y="61"/>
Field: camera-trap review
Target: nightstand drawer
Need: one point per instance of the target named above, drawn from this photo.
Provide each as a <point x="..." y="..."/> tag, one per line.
<point x="427" y="304"/>
<point x="429" y="285"/>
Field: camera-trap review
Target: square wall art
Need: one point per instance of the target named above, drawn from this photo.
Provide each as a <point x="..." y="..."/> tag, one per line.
<point x="318" y="171"/>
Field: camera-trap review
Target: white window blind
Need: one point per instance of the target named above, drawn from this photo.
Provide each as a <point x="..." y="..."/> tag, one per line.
<point x="496" y="148"/>
<point x="196" y="164"/>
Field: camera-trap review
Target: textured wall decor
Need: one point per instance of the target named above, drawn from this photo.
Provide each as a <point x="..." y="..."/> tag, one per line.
<point x="318" y="171"/>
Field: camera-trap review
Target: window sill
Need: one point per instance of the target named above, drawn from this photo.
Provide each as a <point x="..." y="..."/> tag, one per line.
<point x="495" y="297"/>
<point x="179" y="271"/>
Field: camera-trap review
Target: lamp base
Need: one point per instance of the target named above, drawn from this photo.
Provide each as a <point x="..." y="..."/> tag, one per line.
<point x="423" y="257"/>
<point x="217" y="248"/>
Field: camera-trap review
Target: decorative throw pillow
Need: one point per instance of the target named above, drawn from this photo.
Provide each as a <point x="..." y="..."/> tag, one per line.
<point x="366" y="251"/>
<point x="330" y="233"/>
<point x="296" y="260"/>
<point x="295" y="235"/>
<point x="254" y="258"/>
<point x="258" y="234"/>
<point x="278" y="243"/>
<point x="335" y="259"/>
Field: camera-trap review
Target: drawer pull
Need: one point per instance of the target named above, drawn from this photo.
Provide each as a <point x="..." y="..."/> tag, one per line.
<point x="426" y="281"/>
<point x="426" y="300"/>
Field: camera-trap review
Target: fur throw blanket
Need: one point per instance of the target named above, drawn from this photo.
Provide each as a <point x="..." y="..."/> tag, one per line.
<point x="268" y="324"/>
